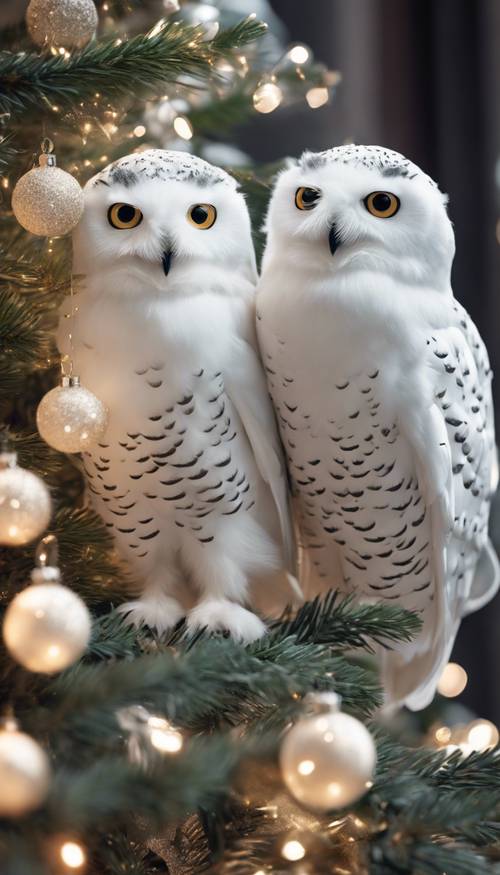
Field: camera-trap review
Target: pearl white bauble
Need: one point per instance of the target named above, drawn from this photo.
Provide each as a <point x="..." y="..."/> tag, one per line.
<point x="47" y="201"/>
<point x="327" y="761"/>
<point x="25" y="506"/>
<point x="68" y="23"/>
<point x="24" y="773"/>
<point x="46" y="627"/>
<point x="71" y="419"/>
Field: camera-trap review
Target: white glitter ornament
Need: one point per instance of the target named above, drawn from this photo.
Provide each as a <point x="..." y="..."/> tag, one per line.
<point x="68" y="23"/>
<point x="24" y="772"/>
<point x="70" y="418"/>
<point x="328" y="758"/>
<point x="47" y="201"/>
<point x="25" y="506"/>
<point x="46" y="626"/>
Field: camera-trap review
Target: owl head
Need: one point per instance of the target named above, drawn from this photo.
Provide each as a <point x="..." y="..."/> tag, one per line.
<point x="158" y="215"/>
<point x="361" y="207"/>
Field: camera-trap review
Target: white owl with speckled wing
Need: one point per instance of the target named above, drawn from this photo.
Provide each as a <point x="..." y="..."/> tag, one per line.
<point x="381" y="385"/>
<point x="189" y="476"/>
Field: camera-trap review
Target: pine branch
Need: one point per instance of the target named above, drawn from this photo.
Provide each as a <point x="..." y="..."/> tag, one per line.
<point x="217" y="683"/>
<point x="112" y="638"/>
<point x="150" y="61"/>
<point x="100" y="795"/>
<point x="86" y="557"/>
<point x="343" y="623"/>
<point x="22" y="342"/>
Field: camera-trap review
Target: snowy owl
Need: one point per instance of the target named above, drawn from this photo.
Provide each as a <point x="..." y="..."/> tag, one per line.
<point x="189" y="477"/>
<point x="381" y="385"/>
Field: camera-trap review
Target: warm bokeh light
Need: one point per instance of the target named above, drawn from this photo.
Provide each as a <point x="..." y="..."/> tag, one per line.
<point x="293" y="850"/>
<point x="267" y="97"/>
<point x="183" y="128"/>
<point x="163" y="736"/>
<point x="443" y="734"/>
<point x="298" y="54"/>
<point x="482" y="734"/>
<point x="317" y="97"/>
<point x="453" y="680"/>
<point x="72" y="855"/>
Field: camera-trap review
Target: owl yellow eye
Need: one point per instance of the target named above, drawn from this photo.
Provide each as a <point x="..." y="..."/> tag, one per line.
<point x="306" y="198"/>
<point x="382" y="204"/>
<point x="202" y="216"/>
<point x="124" y="216"/>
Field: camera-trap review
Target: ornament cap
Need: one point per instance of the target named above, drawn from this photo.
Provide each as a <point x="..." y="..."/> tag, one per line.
<point x="322" y="703"/>
<point x="70" y="380"/>
<point x="7" y="460"/>
<point x="47" y="574"/>
<point x="47" y="160"/>
<point x="46" y="554"/>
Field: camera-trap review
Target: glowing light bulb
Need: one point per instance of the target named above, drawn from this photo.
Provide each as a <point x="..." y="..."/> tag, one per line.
<point x="443" y="734"/>
<point x="298" y="54"/>
<point x="482" y="735"/>
<point x="267" y="97"/>
<point x="72" y="855"/>
<point x="452" y="681"/>
<point x="317" y="97"/>
<point x="139" y="131"/>
<point x="293" y="850"/>
<point x="163" y="736"/>
<point x="183" y="128"/>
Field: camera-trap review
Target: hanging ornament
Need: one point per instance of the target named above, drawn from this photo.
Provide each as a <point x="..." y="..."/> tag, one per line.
<point x="170" y="7"/>
<point x="70" y="418"/>
<point x="47" y="201"/>
<point x="328" y="758"/>
<point x="24" y="772"/>
<point x="46" y="626"/>
<point x="67" y="23"/>
<point x="25" y="506"/>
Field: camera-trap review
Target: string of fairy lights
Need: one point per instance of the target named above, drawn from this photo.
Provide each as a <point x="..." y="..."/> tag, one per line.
<point x="327" y="757"/>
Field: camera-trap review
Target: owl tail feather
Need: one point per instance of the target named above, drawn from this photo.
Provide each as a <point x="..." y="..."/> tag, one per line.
<point x="411" y="676"/>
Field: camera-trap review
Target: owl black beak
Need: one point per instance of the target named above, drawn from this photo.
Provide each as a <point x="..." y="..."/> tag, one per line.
<point x="166" y="260"/>
<point x="334" y="239"/>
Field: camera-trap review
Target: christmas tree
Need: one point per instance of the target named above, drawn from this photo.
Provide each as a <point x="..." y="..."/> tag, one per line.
<point x="123" y="751"/>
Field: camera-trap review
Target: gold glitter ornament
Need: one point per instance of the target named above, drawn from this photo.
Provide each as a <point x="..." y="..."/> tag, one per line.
<point x="25" y="506"/>
<point x="47" y="201"/>
<point x="46" y="626"/>
<point x="24" y="772"/>
<point x="327" y="758"/>
<point x="70" y="418"/>
<point x="67" y="23"/>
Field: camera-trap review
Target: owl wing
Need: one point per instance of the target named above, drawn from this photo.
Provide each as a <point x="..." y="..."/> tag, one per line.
<point x="247" y="388"/>
<point x="454" y="444"/>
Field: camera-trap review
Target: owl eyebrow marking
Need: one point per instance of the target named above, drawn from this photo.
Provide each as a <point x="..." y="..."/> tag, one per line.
<point x="394" y="171"/>
<point x="119" y="176"/>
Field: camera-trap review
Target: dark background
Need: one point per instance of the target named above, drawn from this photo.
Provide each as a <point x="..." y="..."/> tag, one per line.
<point x="420" y="76"/>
